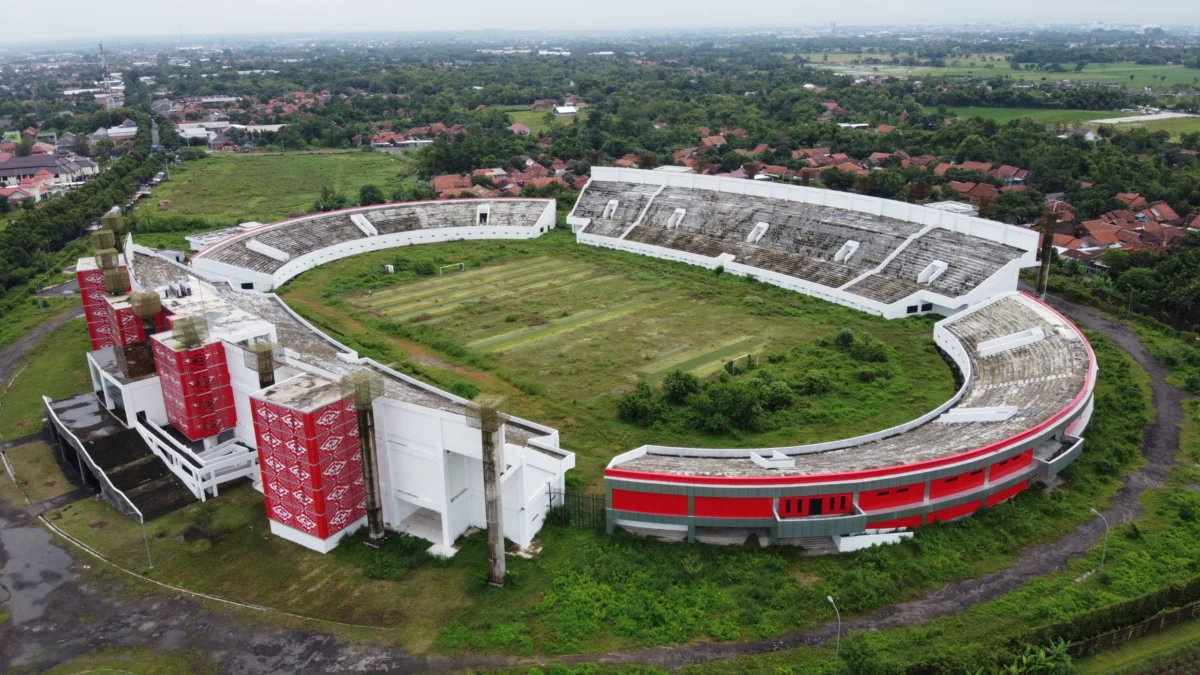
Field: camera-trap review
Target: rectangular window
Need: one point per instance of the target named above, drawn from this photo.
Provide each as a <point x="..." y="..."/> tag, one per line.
<point x="912" y="309"/>
<point x="927" y="307"/>
<point x="248" y="285"/>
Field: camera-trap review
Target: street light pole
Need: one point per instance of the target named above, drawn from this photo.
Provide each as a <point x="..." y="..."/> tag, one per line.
<point x="837" y="649"/>
<point x="1104" y="549"/>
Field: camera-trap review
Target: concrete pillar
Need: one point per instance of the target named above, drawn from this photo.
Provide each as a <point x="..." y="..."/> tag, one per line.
<point x="492" y="506"/>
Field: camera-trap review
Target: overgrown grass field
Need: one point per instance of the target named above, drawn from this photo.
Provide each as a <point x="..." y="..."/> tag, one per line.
<point x="566" y="330"/>
<point x="1047" y="115"/>
<point x="1177" y="127"/>
<point x="1143" y="75"/>
<point x="56" y="368"/>
<point x="236" y="189"/>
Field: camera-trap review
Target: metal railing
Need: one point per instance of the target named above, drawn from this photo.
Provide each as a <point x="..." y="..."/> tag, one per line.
<point x="112" y="495"/>
<point x="200" y="473"/>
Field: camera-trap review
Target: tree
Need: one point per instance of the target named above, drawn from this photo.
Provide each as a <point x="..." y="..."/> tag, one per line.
<point x="1019" y="206"/>
<point x="370" y="194"/>
<point x="678" y="385"/>
<point x="80" y="146"/>
<point x="24" y="148"/>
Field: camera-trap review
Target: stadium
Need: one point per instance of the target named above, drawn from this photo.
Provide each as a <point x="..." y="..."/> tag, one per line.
<point x="151" y="439"/>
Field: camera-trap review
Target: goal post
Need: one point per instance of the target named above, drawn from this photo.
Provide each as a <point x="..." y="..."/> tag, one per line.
<point x="452" y="267"/>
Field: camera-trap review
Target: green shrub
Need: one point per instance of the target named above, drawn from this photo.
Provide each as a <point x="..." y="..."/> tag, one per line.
<point x="678" y="385"/>
<point x="639" y="407"/>
<point x="813" y="382"/>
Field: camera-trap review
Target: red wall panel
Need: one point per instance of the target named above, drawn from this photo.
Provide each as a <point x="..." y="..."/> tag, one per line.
<point x="954" y="511"/>
<point x="733" y="507"/>
<point x="311" y="466"/>
<point x="1012" y="464"/>
<point x="909" y="521"/>
<point x="955" y="484"/>
<point x="1006" y="493"/>
<point x="649" y="502"/>
<point x="804" y="507"/>
<point x="878" y="500"/>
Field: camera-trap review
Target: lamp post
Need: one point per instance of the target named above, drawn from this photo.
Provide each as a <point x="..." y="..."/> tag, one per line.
<point x="837" y="649"/>
<point x="1104" y="549"/>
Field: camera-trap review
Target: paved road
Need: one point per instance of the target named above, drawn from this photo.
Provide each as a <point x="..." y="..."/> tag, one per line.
<point x="58" y="615"/>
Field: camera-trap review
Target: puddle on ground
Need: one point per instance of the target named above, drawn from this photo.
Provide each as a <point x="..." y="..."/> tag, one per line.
<point x="33" y="568"/>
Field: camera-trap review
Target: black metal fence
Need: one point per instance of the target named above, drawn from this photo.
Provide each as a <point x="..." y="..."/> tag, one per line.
<point x="1148" y="627"/>
<point x="569" y="507"/>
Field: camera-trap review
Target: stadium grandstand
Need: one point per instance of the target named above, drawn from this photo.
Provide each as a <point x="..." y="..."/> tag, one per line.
<point x="159" y="432"/>
<point x="883" y="257"/>
<point x="265" y="257"/>
<point x="1017" y="418"/>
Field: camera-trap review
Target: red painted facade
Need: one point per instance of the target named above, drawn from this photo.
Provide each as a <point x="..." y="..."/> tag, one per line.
<point x="954" y="512"/>
<point x="1006" y="493"/>
<point x="311" y="466"/>
<point x="942" y="487"/>
<point x="910" y="521"/>
<point x="890" y="498"/>
<point x="96" y="308"/>
<point x="816" y="505"/>
<point x="650" y="502"/>
<point x="196" y="391"/>
<point x="1011" y="465"/>
<point x="733" y="507"/>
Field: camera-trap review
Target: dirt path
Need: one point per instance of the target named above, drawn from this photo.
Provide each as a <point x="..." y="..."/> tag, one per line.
<point x="52" y="600"/>
<point x="11" y="355"/>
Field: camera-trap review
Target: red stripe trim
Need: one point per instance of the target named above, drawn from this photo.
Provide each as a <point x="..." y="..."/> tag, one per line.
<point x="885" y="471"/>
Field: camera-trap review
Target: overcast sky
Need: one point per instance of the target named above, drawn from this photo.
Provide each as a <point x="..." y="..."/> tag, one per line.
<point x="89" y="19"/>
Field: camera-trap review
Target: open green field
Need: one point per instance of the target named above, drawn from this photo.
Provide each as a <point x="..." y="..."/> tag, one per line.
<point x="1177" y="127"/>
<point x="1048" y="115"/>
<point x="566" y="330"/>
<point x="1142" y="76"/>
<point x="56" y="368"/>
<point x="536" y="121"/>
<point x="269" y="188"/>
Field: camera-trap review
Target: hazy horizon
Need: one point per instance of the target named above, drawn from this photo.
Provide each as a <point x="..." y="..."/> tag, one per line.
<point x="140" y="19"/>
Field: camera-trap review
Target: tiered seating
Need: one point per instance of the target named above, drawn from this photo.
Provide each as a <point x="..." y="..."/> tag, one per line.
<point x="823" y="272"/>
<point x="971" y="261"/>
<point x="1039" y="379"/>
<point x="301" y="237"/>
<point x="311" y="235"/>
<point x="631" y="199"/>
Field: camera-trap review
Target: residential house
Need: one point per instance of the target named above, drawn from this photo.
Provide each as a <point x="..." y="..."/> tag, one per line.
<point x="1161" y="212"/>
<point x="544" y="104"/>
<point x="1098" y="233"/>
<point x="519" y="129"/>
<point x="1134" y="201"/>
<point x="450" y="184"/>
<point x="1011" y="175"/>
<point x="713" y="141"/>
